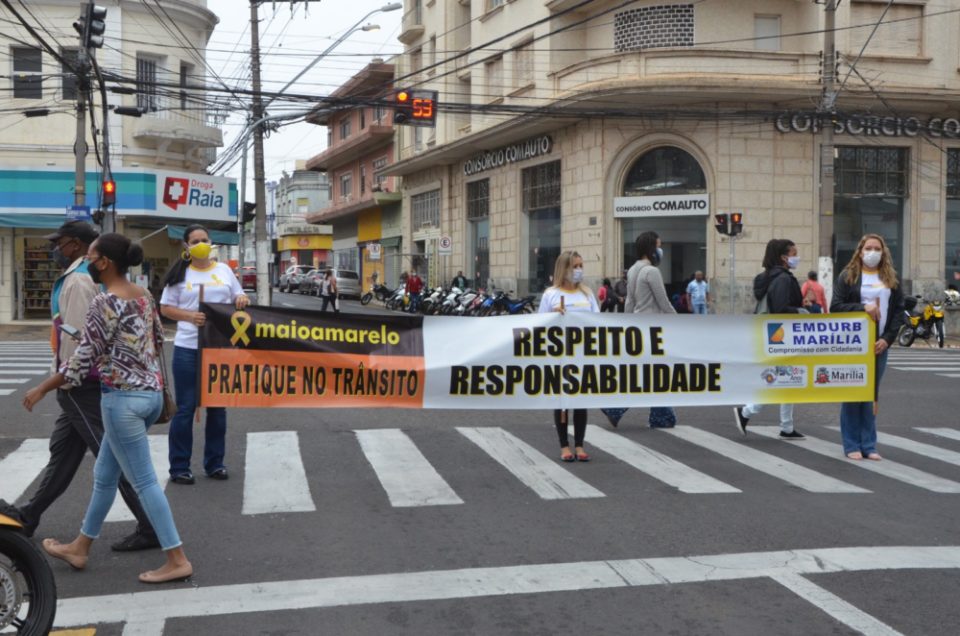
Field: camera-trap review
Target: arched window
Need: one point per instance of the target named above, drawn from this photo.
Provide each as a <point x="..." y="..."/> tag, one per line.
<point x="665" y="170"/>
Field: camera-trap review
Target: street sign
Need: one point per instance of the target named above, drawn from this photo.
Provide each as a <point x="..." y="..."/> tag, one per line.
<point x="445" y="246"/>
<point x="373" y="250"/>
<point x="79" y="213"/>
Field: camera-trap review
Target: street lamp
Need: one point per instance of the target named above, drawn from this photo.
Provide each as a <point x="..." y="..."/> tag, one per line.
<point x="259" y="178"/>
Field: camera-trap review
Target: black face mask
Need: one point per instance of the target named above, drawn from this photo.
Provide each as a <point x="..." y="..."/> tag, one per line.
<point x="94" y="273"/>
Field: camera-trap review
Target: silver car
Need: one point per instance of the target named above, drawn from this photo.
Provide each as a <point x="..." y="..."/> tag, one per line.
<point x="290" y="279"/>
<point x="348" y="282"/>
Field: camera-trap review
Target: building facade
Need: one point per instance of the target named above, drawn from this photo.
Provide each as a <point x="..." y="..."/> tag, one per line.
<point x="365" y="205"/>
<point x="297" y="195"/>
<point x="597" y="122"/>
<point x="158" y="160"/>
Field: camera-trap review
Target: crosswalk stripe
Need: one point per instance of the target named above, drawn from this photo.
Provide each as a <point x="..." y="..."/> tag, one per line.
<point x="405" y="474"/>
<point x="275" y="479"/>
<point x="949" y="375"/>
<point x="24" y="372"/>
<point x="949" y="433"/>
<point x="6" y="391"/>
<point x="805" y="478"/>
<point x="529" y="465"/>
<point x="13" y="380"/>
<point x="920" y="448"/>
<point x="887" y="468"/>
<point x="21" y="365"/>
<point x="160" y="459"/>
<point x="655" y="464"/>
<point x="21" y="467"/>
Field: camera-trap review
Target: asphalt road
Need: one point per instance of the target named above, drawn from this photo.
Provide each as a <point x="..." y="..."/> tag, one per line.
<point x="405" y="522"/>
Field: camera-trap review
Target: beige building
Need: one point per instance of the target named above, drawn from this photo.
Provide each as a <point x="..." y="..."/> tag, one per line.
<point x="594" y="123"/>
<point x="158" y="159"/>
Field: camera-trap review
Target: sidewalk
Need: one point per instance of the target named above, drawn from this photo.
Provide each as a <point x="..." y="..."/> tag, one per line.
<point x="26" y="330"/>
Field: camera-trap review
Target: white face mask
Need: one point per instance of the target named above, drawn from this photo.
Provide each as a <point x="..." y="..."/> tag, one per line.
<point x="578" y="274"/>
<point x="793" y="261"/>
<point x="871" y="258"/>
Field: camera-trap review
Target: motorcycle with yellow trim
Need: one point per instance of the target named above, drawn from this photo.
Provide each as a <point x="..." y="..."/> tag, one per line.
<point x="921" y="323"/>
<point x="28" y="591"/>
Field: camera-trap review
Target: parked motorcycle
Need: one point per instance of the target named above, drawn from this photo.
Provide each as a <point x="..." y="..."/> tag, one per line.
<point x="28" y="592"/>
<point x="380" y="292"/>
<point x="921" y="323"/>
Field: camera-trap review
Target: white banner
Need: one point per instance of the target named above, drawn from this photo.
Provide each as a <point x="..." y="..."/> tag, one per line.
<point x="584" y="360"/>
<point x="664" y="205"/>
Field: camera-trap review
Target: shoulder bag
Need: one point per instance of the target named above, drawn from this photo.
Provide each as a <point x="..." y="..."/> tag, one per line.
<point x="169" y="403"/>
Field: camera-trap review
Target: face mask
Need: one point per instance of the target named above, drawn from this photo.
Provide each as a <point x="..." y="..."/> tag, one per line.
<point x="578" y="275"/>
<point x="658" y="256"/>
<point x="793" y="261"/>
<point x="871" y="258"/>
<point x="62" y="260"/>
<point x="200" y="251"/>
<point x="94" y="272"/>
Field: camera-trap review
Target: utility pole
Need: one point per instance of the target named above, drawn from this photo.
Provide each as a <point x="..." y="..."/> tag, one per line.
<point x="261" y="239"/>
<point x="80" y="144"/>
<point x="827" y="110"/>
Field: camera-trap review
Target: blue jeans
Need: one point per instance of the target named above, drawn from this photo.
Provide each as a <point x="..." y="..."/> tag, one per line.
<point x="126" y="417"/>
<point x="858" y="424"/>
<point x="700" y="308"/>
<point x="786" y="415"/>
<point x="181" y="426"/>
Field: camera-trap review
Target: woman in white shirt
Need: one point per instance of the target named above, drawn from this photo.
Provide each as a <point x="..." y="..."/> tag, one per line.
<point x="868" y="283"/>
<point x="181" y="302"/>
<point x="569" y="294"/>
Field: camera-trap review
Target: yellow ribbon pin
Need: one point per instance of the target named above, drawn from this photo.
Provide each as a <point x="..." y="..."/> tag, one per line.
<point x="240" y="321"/>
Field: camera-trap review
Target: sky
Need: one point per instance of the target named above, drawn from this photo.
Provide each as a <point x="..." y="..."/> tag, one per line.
<point x="289" y="41"/>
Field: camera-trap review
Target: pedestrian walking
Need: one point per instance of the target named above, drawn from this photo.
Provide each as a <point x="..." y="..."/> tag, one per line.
<point x="413" y="288"/>
<point x="698" y="294"/>
<point x="620" y="291"/>
<point x="868" y="283"/>
<point x="813" y="295"/>
<point x="646" y="294"/>
<point x="181" y="302"/>
<point x="122" y="339"/>
<point x="606" y="297"/>
<point x="80" y="424"/>
<point x="777" y="292"/>
<point x="568" y="293"/>
<point x="459" y="281"/>
<point x="329" y="292"/>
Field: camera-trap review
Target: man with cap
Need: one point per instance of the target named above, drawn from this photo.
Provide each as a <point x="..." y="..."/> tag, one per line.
<point x="80" y="424"/>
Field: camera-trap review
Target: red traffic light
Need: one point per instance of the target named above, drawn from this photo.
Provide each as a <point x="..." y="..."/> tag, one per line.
<point x="736" y="223"/>
<point x="109" y="192"/>
<point x="721" y="223"/>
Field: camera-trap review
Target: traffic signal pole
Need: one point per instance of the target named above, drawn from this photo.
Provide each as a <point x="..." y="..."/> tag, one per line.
<point x="261" y="240"/>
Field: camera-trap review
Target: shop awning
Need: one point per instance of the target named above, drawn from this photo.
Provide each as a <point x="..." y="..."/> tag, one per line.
<point x="219" y="237"/>
<point x="32" y="220"/>
<point x="391" y="241"/>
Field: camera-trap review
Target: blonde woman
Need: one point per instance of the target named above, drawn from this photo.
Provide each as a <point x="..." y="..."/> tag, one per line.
<point x="569" y="294"/>
<point x="868" y="283"/>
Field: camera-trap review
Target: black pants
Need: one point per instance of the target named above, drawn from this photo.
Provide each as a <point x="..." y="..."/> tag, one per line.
<point x="579" y="427"/>
<point x="79" y="427"/>
<point x="329" y="300"/>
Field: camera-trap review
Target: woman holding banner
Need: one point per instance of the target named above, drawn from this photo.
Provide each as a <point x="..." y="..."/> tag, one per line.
<point x="646" y="294"/>
<point x="868" y="283"/>
<point x="195" y="272"/>
<point x="569" y="294"/>
<point x="123" y="339"/>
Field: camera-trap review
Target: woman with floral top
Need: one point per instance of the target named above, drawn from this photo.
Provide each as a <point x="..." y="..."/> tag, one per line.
<point x="122" y="337"/>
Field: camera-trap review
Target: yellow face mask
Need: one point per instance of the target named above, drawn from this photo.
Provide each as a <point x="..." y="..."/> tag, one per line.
<point x="200" y="251"/>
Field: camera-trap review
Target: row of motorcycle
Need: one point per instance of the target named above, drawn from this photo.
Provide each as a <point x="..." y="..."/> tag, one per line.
<point x="924" y="321"/>
<point x="441" y="301"/>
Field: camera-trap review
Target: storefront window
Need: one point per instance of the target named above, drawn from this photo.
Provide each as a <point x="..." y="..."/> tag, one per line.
<point x="478" y="215"/>
<point x="541" y="205"/>
<point x="871" y="185"/>
<point x="952" y="230"/>
<point x="667" y="171"/>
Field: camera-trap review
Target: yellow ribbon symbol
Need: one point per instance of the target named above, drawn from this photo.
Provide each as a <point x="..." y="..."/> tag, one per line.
<point x="240" y="321"/>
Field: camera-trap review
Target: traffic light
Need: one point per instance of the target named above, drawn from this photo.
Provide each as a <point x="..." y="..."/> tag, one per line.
<point x="91" y="26"/>
<point x="249" y="211"/>
<point x="736" y="223"/>
<point x="402" y="107"/>
<point x="109" y="192"/>
<point x="415" y="107"/>
<point x="722" y="223"/>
